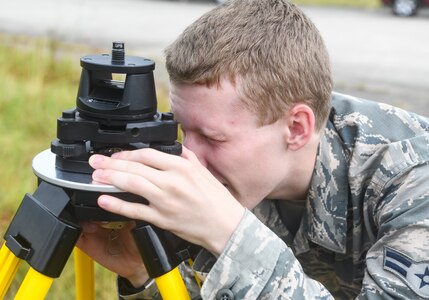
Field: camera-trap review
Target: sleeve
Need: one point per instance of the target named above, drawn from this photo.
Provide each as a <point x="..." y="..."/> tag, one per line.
<point x="257" y="264"/>
<point x="127" y="292"/>
<point x="150" y="291"/>
<point x="398" y="262"/>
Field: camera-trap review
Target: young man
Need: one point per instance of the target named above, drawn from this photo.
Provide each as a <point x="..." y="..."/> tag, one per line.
<point x="297" y="192"/>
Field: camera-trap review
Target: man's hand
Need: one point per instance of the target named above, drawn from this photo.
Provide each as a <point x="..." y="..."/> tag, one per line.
<point x="184" y="197"/>
<point x="115" y="250"/>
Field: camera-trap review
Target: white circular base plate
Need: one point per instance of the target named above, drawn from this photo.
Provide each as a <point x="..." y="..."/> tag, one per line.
<point x="44" y="168"/>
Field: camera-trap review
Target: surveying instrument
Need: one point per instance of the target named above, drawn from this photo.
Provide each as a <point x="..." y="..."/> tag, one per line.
<point x="110" y="116"/>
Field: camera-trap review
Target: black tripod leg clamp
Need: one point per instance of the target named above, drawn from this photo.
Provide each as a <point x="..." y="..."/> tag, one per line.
<point x="157" y="251"/>
<point x="42" y="232"/>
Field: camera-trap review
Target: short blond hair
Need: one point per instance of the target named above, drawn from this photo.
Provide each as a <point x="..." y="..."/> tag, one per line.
<point x="269" y="47"/>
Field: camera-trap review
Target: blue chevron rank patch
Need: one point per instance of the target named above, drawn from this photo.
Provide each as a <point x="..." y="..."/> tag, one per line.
<point x="414" y="274"/>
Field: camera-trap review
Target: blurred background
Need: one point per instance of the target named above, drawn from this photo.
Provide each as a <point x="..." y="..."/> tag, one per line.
<point x="377" y="52"/>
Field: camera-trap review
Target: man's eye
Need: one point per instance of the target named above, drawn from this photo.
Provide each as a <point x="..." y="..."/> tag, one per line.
<point x="215" y="139"/>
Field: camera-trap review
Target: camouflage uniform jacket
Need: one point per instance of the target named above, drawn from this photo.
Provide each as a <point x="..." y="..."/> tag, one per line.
<point x="365" y="228"/>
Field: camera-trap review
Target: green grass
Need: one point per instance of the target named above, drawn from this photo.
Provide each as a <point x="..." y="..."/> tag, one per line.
<point x="39" y="79"/>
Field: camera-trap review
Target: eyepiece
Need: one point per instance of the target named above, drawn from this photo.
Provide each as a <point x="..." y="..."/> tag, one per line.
<point x="118" y="53"/>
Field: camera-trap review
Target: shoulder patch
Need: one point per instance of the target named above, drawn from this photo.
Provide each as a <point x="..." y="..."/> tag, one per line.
<point x="414" y="274"/>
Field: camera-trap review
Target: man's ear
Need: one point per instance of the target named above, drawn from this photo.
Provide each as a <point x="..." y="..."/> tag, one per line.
<point x="300" y="126"/>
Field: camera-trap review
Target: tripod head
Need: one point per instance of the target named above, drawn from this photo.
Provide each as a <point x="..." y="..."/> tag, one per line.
<point x="112" y="115"/>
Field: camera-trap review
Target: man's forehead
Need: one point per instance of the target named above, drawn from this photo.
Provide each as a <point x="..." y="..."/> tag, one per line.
<point x="206" y="97"/>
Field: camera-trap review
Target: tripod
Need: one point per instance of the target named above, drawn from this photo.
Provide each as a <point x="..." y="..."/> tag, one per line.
<point x="44" y="232"/>
<point x="110" y="116"/>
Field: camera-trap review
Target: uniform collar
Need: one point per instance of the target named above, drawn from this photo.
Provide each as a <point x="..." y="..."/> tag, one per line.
<point x="325" y="222"/>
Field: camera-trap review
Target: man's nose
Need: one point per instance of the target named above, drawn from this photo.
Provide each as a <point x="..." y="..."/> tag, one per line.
<point x="195" y="145"/>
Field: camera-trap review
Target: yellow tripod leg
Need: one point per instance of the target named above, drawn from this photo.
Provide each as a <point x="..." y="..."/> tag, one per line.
<point x="171" y="286"/>
<point x="4" y="253"/>
<point x="84" y="275"/>
<point x="9" y="265"/>
<point x="35" y="286"/>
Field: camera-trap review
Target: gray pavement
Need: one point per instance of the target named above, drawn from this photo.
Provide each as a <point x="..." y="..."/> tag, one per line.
<point x="373" y="54"/>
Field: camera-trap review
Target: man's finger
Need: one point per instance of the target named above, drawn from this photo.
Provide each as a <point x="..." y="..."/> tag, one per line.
<point x="144" y="186"/>
<point x="150" y="157"/>
<point x="129" y="166"/>
<point x="131" y="210"/>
